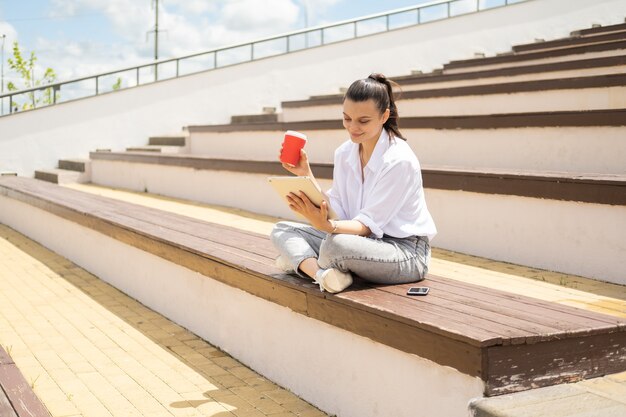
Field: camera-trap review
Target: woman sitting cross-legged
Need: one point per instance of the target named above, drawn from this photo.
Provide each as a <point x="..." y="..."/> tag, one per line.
<point x="384" y="229"/>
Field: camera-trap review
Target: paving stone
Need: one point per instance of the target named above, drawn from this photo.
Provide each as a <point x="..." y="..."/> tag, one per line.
<point x="91" y="351"/>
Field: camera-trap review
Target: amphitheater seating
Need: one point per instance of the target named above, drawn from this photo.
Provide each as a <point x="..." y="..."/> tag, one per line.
<point x="543" y="124"/>
<point x="496" y="336"/>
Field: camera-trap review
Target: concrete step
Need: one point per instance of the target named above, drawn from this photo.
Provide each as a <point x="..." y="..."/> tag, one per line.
<point x="605" y="397"/>
<point x="551" y="71"/>
<point x="156" y="149"/>
<point x="572" y="94"/>
<point x="79" y="165"/>
<point x="553" y="143"/>
<point x="60" y="176"/>
<point x="543" y="57"/>
<point x="496" y="224"/>
<point x="618" y="34"/>
<point x="600" y="29"/>
<point x="177" y="140"/>
<point x="254" y="118"/>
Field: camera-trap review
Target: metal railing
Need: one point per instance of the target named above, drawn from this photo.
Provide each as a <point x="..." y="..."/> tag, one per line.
<point x="240" y="53"/>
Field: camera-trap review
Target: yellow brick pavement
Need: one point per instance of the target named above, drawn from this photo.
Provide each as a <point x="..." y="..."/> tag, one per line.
<point x="89" y="350"/>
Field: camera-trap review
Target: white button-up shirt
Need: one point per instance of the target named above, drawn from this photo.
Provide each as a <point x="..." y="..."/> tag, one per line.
<point x="389" y="197"/>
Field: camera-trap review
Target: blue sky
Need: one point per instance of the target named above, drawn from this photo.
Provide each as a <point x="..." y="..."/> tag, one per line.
<point x="83" y="37"/>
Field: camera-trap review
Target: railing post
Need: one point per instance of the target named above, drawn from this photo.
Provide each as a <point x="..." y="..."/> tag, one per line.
<point x="177" y="67"/>
<point x="448" y="3"/>
<point x="477" y="5"/>
<point x="322" y="36"/>
<point x="355" y="30"/>
<point x="252" y="51"/>
<point x="387" y="21"/>
<point x="287" y="42"/>
<point x="11" y="104"/>
<point x="419" y="15"/>
<point x="97" y="85"/>
<point x="137" y="76"/>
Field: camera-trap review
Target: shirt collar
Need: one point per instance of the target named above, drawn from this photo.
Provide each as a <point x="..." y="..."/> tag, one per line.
<point x="376" y="159"/>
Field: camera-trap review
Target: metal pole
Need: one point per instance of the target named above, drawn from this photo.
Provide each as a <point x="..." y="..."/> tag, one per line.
<point x="2" y="76"/>
<point x="305" y="8"/>
<point x="156" y="41"/>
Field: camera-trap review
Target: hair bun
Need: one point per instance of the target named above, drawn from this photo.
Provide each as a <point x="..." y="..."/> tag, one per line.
<point x="378" y="77"/>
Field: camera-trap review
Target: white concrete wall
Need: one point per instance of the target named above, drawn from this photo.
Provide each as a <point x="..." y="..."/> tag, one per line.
<point x="564" y="149"/>
<point x="318" y="362"/>
<point x="34" y="140"/>
<point x="250" y="192"/>
<point x="577" y="238"/>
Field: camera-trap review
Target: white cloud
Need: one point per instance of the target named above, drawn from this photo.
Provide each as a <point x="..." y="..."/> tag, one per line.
<point x="188" y="26"/>
<point x="194" y="6"/>
<point x="259" y="15"/>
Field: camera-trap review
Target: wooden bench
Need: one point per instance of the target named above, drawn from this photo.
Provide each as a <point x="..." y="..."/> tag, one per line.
<point x="589" y="188"/>
<point x="615" y="45"/>
<point x="510" y="342"/>
<point x="17" y="398"/>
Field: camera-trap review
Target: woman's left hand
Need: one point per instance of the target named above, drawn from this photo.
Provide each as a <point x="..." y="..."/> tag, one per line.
<point x="317" y="216"/>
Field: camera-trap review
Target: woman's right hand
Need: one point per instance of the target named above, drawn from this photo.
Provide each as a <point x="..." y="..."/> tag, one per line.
<point x="303" y="169"/>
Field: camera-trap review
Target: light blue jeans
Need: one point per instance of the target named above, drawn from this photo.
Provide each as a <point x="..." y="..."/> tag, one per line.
<point x="383" y="261"/>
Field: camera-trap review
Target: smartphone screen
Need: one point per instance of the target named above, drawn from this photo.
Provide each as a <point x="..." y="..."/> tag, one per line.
<point x="418" y="291"/>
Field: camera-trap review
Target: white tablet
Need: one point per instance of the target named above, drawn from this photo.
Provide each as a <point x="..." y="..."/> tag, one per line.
<point x="285" y="185"/>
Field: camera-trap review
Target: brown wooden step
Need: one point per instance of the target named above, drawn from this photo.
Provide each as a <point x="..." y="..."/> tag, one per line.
<point x="588" y="188"/>
<point x="571" y="50"/>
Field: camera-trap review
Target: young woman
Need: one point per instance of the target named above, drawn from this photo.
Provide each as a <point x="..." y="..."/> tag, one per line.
<point x="385" y="228"/>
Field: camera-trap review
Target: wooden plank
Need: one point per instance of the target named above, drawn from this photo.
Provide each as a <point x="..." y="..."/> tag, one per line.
<point x="5" y="359"/>
<point x="521" y="367"/>
<point x="569" y="316"/>
<point x="6" y="409"/>
<point x="20" y="394"/>
<point x="85" y="203"/>
<point x="599" y="189"/>
<point x="414" y="313"/>
<point x="289" y="293"/>
<point x="570" y="41"/>
<point x="612" y="117"/>
<point x="517" y="327"/>
<point x="600" y="29"/>
<point x="446" y="351"/>
<point x="571" y="50"/>
<point x="576" y="64"/>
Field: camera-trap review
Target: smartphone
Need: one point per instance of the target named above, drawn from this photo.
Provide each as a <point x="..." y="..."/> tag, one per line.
<point x="418" y="291"/>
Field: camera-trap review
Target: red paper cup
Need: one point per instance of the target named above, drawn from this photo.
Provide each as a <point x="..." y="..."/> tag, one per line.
<point x="292" y="144"/>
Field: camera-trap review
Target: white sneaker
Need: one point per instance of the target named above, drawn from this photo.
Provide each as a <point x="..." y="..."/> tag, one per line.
<point x="282" y="264"/>
<point x="333" y="280"/>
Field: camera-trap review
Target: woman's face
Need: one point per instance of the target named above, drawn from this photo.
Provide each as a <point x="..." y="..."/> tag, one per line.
<point x="363" y="120"/>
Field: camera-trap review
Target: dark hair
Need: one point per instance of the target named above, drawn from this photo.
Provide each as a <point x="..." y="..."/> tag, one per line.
<point x="378" y="88"/>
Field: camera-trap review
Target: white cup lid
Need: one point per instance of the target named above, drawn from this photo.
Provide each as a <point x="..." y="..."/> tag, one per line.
<point x="296" y="134"/>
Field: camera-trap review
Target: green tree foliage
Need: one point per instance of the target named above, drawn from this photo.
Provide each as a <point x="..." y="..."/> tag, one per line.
<point x="25" y="68"/>
<point x="118" y="84"/>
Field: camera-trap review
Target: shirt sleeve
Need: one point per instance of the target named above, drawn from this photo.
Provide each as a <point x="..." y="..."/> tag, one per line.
<point x="389" y="195"/>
